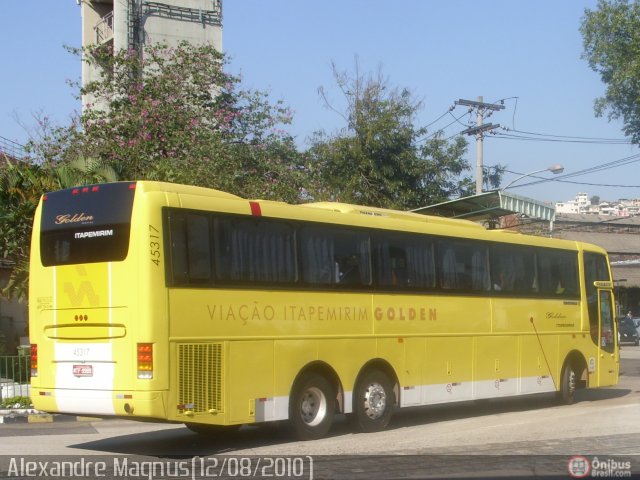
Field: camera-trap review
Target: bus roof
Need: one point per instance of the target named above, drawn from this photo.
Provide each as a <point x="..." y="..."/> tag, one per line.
<point x="385" y="212"/>
<point x="464" y="228"/>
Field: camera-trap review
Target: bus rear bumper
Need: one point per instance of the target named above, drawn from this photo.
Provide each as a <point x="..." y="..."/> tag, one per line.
<point x="134" y="404"/>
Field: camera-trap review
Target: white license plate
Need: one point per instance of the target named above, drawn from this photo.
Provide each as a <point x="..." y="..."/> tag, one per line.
<point x="83" y="370"/>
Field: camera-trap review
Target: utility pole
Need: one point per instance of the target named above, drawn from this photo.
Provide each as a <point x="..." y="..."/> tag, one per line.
<point x="481" y="109"/>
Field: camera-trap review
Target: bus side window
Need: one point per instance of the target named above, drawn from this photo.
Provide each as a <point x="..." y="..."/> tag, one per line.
<point x="463" y="266"/>
<point x="190" y="248"/>
<point x="178" y="239"/>
<point x="334" y="255"/>
<point x="404" y="261"/>
<point x="513" y="269"/>
<point x="558" y="271"/>
<point x="198" y="248"/>
<point x="255" y="251"/>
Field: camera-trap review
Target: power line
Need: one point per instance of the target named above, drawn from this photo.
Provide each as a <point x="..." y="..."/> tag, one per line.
<point x="622" y="140"/>
<point x="439" y="118"/>
<point x="605" y="166"/>
<point x="423" y="139"/>
<point x="574" y="182"/>
<point x="559" y="139"/>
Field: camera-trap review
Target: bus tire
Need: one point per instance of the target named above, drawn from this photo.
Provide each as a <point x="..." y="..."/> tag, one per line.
<point x="373" y="402"/>
<point x="211" y="430"/>
<point x="566" y="394"/>
<point x="312" y="407"/>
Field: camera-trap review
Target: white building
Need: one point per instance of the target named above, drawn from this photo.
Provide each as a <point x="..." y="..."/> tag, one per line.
<point x="581" y="204"/>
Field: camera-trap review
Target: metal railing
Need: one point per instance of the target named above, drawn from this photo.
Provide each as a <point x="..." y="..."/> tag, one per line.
<point x="15" y="373"/>
<point x="104" y="28"/>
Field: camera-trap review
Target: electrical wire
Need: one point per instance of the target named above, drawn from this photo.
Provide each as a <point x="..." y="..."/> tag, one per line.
<point x="559" y="139"/>
<point x="597" y="168"/>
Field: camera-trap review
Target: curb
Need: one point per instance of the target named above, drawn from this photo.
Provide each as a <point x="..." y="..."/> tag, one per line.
<point x="39" y="417"/>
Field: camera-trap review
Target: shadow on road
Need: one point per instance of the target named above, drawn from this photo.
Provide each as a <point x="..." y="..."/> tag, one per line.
<point x="182" y="443"/>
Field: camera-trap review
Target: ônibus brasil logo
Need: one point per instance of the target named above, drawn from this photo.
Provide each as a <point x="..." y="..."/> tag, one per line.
<point x="579" y="466"/>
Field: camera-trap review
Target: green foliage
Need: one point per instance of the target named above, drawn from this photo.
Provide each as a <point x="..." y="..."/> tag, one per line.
<point x="611" y="39"/>
<point x="21" y="185"/>
<point x="185" y="120"/>
<point x="381" y="158"/>
<point x="16" y="402"/>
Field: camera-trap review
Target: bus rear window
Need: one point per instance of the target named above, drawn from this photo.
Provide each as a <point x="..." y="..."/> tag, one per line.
<point x="86" y="224"/>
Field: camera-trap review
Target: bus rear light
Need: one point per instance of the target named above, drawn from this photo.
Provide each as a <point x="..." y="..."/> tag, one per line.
<point x="34" y="360"/>
<point x="145" y="361"/>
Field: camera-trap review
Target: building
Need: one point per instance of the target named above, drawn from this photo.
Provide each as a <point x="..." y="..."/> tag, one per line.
<point x="131" y="24"/>
<point x="582" y="205"/>
<point x="620" y="237"/>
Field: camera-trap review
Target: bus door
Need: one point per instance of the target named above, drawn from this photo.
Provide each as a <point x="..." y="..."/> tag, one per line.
<point x="608" y="357"/>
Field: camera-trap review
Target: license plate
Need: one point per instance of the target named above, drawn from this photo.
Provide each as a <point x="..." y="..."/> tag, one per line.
<point x="83" y="370"/>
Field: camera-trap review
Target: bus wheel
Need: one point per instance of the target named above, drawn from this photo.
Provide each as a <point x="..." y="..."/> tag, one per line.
<point x="211" y="430"/>
<point x="373" y="402"/>
<point x="566" y="395"/>
<point x="312" y="407"/>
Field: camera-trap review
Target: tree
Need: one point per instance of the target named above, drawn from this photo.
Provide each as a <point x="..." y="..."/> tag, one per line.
<point x="21" y="185"/>
<point x="380" y="158"/>
<point x="174" y="114"/>
<point x="611" y="39"/>
<point x="595" y="200"/>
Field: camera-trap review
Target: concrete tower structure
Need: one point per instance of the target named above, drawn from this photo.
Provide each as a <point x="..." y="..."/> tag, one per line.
<point x="129" y="24"/>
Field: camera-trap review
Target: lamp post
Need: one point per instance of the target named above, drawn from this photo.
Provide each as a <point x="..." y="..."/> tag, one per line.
<point x="555" y="169"/>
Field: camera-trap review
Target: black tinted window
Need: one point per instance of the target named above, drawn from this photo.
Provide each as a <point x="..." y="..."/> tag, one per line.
<point x="86" y="224"/>
<point x="513" y="269"/>
<point x="331" y="255"/>
<point x="404" y="262"/>
<point x="463" y="265"/>
<point x="558" y="273"/>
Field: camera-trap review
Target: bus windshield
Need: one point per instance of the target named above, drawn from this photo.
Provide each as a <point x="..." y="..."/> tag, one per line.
<point x="86" y="224"/>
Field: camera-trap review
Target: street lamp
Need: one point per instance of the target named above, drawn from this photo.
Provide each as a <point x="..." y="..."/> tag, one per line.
<point x="555" y="169"/>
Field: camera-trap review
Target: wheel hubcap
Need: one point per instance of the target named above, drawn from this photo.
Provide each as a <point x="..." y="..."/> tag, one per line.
<point x="313" y="407"/>
<point x="572" y="381"/>
<point x="375" y="401"/>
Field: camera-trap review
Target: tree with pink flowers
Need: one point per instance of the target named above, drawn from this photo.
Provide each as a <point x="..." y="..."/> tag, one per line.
<point x="174" y="114"/>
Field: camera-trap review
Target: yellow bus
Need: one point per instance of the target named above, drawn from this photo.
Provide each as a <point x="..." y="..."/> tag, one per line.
<point x="150" y="300"/>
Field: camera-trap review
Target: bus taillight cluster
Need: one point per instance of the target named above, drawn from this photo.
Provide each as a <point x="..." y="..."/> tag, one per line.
<point x="145" y="361"/>
<point x="34" y="360"/>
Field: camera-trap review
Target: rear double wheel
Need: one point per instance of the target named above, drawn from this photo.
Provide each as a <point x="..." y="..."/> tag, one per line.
<point x="312" y="407"/>
<point x="373" y="402"/>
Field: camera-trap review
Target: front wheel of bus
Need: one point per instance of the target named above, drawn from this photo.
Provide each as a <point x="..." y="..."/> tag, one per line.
<point x="373" y="402"/>
<point x="566" y="395"/>
<point x="312" y="407"/>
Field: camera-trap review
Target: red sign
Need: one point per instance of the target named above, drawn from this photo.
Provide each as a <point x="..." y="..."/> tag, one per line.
<point x="83" y="370"/>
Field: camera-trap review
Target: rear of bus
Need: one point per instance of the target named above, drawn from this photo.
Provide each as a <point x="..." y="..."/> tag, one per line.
<point x="94" y="323"/>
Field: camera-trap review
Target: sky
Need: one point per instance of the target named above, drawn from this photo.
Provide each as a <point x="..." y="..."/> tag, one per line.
<point x="527" y="52"/>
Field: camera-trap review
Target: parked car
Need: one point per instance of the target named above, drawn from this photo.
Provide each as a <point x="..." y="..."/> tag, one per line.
<point x="636" y="322"/>
<point x="627" y="332"/>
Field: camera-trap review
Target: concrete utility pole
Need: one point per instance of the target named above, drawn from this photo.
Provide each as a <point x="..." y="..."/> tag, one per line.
<point x="481" y="109"/>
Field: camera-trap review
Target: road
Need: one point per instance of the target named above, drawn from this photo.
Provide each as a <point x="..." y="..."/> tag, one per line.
<point x="602" y="422"/>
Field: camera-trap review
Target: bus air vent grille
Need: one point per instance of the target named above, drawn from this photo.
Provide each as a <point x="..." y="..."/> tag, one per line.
<point x="200" y="377"/>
